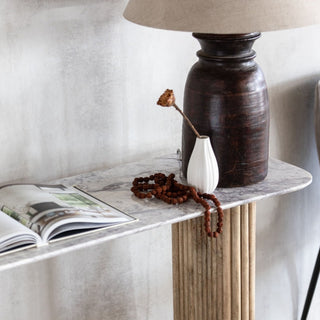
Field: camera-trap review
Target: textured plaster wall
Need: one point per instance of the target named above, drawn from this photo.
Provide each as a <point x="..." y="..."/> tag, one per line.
<point x="78" y="86"/>
<point x="288" y="230"/>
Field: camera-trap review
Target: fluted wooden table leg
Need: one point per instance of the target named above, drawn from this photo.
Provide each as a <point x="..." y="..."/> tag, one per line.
<point x="214" y="279"/>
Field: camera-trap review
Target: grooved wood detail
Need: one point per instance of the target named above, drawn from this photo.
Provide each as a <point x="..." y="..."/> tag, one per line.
<point x="214" y="279"/>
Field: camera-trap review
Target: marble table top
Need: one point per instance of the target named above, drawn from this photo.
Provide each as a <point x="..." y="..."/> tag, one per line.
<point x="113" y="186"/>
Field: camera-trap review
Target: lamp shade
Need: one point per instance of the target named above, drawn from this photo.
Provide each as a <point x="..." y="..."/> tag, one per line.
<point x="223" y="16"/>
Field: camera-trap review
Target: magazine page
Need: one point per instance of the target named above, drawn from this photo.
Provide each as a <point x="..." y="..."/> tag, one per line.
<point x="13" y="234"/>
<point x="85" y="213"/>
<point x="44" y="208"/>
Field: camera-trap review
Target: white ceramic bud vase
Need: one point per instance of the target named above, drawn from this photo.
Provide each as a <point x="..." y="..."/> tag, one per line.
<point x="203" y="172"/>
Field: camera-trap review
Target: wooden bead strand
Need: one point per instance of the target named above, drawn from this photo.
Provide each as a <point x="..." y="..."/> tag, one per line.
<point x="170" y="191"/>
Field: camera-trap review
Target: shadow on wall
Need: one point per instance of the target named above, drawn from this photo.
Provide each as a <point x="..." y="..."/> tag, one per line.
<point x="292" y="118"/>
<point x="293" y="225"/>
<point x="101" y="287"/>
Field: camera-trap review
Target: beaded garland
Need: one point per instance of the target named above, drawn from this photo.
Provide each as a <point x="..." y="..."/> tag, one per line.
<point x="172" y="192"/>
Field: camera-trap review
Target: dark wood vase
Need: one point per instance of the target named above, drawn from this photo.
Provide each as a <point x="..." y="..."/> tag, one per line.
<point x="226" y="99"/>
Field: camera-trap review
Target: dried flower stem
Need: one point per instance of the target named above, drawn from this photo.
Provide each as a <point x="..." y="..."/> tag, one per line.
<point x="188" y="121"/>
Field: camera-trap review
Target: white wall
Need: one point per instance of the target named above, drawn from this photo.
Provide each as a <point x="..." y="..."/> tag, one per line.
<point x="288" y="230"/>
<point x="78" y="86"/>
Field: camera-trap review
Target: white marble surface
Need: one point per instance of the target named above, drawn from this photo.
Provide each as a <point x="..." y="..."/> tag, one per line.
<point x="113" y="186"/>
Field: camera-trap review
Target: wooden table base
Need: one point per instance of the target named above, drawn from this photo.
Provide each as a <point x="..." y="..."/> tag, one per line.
<point x="214" y="279"/>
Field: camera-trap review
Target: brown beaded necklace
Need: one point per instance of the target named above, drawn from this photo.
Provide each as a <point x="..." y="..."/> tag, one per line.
<point x="172" y="192"/>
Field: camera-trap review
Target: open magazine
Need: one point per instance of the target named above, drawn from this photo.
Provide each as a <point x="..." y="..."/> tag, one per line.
<point x="33" y="214"/>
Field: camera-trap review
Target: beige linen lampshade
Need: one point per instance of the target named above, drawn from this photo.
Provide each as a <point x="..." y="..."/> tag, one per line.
<point x="223" y="16"/>
<point x="226" y="94"/>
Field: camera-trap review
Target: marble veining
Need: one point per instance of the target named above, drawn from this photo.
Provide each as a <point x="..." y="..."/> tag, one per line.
<point x="113" y="186"/>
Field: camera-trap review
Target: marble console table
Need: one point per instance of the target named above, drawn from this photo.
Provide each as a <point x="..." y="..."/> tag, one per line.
<point x="212" y="278"/>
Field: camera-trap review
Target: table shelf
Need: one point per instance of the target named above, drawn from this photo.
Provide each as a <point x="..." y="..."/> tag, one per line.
<point x="113" y="186"/>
